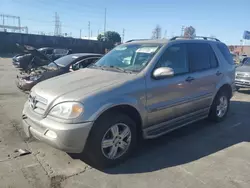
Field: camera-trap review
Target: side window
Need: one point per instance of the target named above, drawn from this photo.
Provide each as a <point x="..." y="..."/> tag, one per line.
<point x="83" y="63"/>
<point x="213" y="59"/>
<point x="198" y="56"/>
<point x="175" y="58"/>
<point x="226" y="53"/>
<point x="49" y="51"/>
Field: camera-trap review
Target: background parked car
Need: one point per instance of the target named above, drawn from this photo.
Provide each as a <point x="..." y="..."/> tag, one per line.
<point x="32" y="57"/>
<point x="72" y="62"/>
<point x="242" y="75"/>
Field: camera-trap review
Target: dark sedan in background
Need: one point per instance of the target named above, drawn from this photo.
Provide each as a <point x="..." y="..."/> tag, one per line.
<point x="32" y="57"/>
<point x="242" y="74"/>
<point x="72" y="62"/>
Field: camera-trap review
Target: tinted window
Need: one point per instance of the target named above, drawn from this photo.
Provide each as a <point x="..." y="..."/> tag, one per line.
<point x="60" y="51"/>
<point x="175" y="58"/>
<point x="213" y="59"/>
<point x="226" y="53"/>
<point x="247" y="61"/>
<point x="49" y="51"/>
<point x="198" y="56"/>
<point x="65" y="60"/>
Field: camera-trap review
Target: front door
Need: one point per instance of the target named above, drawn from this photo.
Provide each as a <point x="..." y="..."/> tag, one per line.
<point x="170" y="97"/>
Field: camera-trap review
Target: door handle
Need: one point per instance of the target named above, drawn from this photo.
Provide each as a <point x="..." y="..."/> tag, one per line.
<point x="218" y="73"/>
<point x="189" y="79"/>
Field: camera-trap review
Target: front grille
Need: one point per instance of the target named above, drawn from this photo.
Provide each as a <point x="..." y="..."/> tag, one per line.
<point x="38" y="103"/>
<point x="242" y="75"/>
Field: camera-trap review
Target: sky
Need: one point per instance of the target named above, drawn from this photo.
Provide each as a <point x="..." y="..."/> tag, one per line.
<point x="224" y="19"/>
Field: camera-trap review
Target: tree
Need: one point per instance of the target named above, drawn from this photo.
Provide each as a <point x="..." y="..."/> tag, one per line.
<point x="189" y="32"/>
<point x="156" y="34"/>
<point x="110" y="36"/>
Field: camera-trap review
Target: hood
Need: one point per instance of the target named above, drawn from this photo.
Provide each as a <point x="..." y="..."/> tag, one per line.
<point x="37" y="71"/>
<point x="243" y="68"/>
<point x="76" y="85"/>
<point x="33" y="51"/>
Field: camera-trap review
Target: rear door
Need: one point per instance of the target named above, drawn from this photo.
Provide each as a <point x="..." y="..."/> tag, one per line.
<point x="205" y="74"/>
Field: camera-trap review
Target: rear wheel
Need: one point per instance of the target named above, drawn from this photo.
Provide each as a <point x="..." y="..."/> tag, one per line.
<point x="220" y="106"/>
<point x="111" y="140"/>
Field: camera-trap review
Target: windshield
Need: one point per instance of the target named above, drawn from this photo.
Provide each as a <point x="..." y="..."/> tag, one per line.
<point x="131" y="57"/>
<point x="64" y="61"/>
<point x="247" y="62"/>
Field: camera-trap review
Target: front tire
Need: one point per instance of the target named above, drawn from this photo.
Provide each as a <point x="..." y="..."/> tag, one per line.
<point x="111" y="141"/>
<point x="220" y="106"/>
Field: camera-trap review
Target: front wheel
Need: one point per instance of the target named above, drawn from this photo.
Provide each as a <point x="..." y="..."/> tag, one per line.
<point x="112" y="140"/>
<point x="220" y="106"/>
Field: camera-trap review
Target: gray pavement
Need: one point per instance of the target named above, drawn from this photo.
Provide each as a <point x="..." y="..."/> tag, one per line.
<point x="200" y="155"/>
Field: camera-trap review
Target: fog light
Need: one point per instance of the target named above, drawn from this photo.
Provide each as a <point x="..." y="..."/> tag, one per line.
<point x="51" y="134"/>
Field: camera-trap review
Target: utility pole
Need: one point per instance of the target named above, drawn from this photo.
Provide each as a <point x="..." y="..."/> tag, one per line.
<point x="165" y="34"/>
<point x="80" y="33"/>
<point x="89" y="29"/>
<point x="182" y="30"/>
<point x="56" y="24"/>
<point x="123" y="34"/>
<point x="105" y="15"/>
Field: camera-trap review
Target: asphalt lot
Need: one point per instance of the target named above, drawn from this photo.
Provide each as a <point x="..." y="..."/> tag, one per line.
<point x="199" y="155"/>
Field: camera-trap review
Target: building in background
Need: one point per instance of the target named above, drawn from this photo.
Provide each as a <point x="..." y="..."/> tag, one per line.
<point x="240" y="49"/>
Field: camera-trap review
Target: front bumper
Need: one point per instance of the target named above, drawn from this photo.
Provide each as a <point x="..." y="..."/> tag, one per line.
<point x="70" y="138"/>
<point x="242" y="83"/>
<point x="16" y="64"/>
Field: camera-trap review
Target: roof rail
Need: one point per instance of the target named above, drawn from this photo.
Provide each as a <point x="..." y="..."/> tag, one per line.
<point x="136" y="40"/>
<point x="195" y="37"/>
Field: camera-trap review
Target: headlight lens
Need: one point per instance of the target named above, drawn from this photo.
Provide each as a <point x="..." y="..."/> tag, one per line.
<point x="36" y="77"/>
<point x="67" y="110"/>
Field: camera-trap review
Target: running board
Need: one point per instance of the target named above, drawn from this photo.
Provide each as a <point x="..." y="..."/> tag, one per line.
<point x="168" y="127"/>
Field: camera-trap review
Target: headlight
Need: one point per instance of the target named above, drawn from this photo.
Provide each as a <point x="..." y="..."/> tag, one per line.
<point x="67" y="110"/>
<point x="36" y="77"/>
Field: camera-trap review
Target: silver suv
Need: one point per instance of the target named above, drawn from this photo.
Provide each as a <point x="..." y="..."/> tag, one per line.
<point x="143" y="88"/>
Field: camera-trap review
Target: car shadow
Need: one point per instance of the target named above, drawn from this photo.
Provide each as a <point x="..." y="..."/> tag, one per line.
<point x="189" y="143"/>
<point x="244" y="91"/>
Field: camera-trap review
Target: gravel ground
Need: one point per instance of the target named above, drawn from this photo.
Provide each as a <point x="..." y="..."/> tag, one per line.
<point x="199" y="155"/>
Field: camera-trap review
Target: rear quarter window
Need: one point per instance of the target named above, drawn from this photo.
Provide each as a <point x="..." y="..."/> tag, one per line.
<point x="226" y="53"/>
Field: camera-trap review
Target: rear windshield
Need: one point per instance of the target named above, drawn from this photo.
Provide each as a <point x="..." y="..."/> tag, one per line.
<point x="65" y="60"/>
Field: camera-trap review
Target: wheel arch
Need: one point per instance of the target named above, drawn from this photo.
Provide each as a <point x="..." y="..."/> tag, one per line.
<point x="127" y="109"/>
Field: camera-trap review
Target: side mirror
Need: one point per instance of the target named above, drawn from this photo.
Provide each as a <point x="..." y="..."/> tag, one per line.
<point x="163" y="72"/>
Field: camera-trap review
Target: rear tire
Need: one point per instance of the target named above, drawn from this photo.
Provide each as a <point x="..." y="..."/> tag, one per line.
<point x="220" y="106"/>
<point x="100" y="155"/>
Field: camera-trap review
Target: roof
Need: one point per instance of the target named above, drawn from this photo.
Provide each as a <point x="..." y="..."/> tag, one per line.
<point x="149" y="41"/>
<point x="177" y="38"/>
